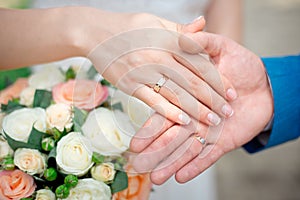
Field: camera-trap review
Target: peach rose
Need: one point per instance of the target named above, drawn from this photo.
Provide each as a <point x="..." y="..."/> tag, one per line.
<point x="13" y="91"/>
<point x="84" y="94"/>
<point x="139" y="187"/>
<point x="15" y="185"/>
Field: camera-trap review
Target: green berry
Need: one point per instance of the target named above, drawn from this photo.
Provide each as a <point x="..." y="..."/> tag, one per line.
<point x="71" y="181"/>
<point x="48" y="144"/>
<point x="50" y="174"/>
<point x="62" y="192"/>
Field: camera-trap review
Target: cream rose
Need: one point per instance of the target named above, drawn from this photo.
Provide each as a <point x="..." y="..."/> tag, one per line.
<point x="19" y="123"/>
<point x="109" y="131"/>
<point x="138" y="111"/>
<point x="46" y="78"/>
<point x="59" y="116"/>
<point x="4" y="148"/>
<point x="84" y="94"/>
<point x="30" y="161"/>
<point x="104" y="172"/>
<point x="74" y="154"/>
<point x="44" y="194"/>
<point x="90" y="189"/>
<point x="27" y="96"/>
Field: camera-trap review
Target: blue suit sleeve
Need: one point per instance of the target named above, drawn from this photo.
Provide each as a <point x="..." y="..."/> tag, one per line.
<point x="284" y="74"/>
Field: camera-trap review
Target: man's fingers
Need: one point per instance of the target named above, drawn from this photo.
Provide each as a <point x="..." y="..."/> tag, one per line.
<point x="210" y="154"/>
<point x="161" y="148"/>
<point x="153" y="128"/>
<point x="184" y="154"/>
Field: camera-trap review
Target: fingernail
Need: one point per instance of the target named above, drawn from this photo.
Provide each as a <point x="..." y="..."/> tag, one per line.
<point x="198" y="18"/>
<point x="184" y="118"/>
<point x="231" y="93"/>
<point x="227" y="110"/>
<point x="214" y="119"/>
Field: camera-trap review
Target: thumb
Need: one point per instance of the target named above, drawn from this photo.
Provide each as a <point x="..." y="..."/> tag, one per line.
<point x="202" y="42"/>
<point x="196" y="26"/>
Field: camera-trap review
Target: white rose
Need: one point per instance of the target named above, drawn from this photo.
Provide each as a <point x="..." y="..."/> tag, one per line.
<point x="104" y="172"/>
<point x="90" y="189"/>
<point x="109" y="131"/>
<point x="44" y="194"/>
<point x="27" y="96"/>
<point x="138" y="111"/>
<point x="46" y="78"/>
<point x="18" y="124"/>
<point x="30" y="161"/>
<point x="74" y="154"/>
<point x="4" y="148"/>
<point x="59" y="116"/>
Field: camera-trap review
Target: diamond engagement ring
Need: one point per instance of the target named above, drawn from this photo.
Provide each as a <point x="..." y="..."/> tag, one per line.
<point x="159" y="84"/>
<point x="201" y="140"/>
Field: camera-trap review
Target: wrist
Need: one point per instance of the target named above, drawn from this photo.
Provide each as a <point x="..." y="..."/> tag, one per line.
<point x="90" y="26"/>
<point x="75" y="26"/>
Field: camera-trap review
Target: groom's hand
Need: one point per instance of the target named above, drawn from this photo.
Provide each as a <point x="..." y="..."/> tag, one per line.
<point x="166" y="148"/>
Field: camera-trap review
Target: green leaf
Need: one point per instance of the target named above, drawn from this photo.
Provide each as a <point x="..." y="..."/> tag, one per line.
<point x="34" y="140"/>
<point x="7" y="77"/>
<point x="70" y="74"/>
<point x="92" y="72"/>
<point x="79" y="119"/>
<point x="11" y="106"/>
<point x="14" y="144"/>
<point x="98" y="158"/>
<point x="120" y="182"/>
<point x="117" y="106"/>
<point x="105" y="82"/>
<point x="42" y="98"/>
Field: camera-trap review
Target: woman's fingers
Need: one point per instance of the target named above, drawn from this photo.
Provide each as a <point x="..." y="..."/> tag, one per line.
<point x="184" y="100"/>
<point x="202" y="66"/>
<point x="197" y="25"/>
<point x="162" y="105"/>
<point x="185" y="85"/>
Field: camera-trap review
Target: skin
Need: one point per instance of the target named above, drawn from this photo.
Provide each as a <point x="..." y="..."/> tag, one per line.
<point x="37" y="36"/>
<point x="172" y="148"/>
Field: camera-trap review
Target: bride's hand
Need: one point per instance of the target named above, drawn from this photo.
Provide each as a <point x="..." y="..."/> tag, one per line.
<point x="136" y="51"/>
<point x="167" y="148"/>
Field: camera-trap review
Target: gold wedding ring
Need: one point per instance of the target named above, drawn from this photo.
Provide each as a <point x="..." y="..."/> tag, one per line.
<point x="159" y="84"/>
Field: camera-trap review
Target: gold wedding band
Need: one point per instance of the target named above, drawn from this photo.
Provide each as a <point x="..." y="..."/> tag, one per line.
<point x="201" y="140"/>
<point x="159" y="84"/>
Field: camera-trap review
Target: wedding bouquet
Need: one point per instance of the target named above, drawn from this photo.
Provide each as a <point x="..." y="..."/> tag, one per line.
<point x="65" y="135"/>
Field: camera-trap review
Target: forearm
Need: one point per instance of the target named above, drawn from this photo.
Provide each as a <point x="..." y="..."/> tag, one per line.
<point x="42" y="35"/>
<point x="225" y="18"/>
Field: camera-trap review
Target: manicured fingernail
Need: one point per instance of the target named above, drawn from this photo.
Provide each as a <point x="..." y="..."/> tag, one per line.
<point x="184" y="118"/>
<point x="227" y="110"/>
<point x="198" y="18"/>
<point x="231" y="93"/>
<point x="214" y="119"/>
